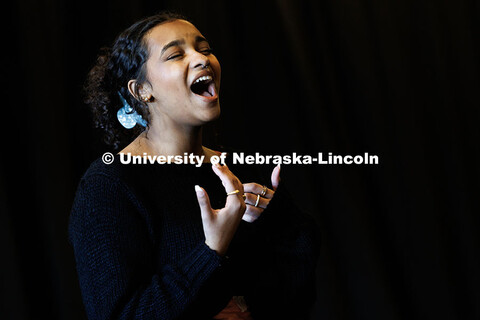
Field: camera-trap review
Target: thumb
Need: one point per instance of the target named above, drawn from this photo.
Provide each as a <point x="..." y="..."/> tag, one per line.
<point x="276" y="177"/>
<point x="204" y="203"/>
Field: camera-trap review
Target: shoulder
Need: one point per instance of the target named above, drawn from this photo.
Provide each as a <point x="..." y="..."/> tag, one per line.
<point x="102" y="181"/>
<point x="108" y="166"/>
<point x="135" y="181"/>
<point x="103" y="185"/>
<point x="109" y="169"/>
<point x="104" y="195"/>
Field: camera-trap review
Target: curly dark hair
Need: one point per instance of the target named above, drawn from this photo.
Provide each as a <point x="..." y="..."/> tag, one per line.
<point x="115" y="66"/>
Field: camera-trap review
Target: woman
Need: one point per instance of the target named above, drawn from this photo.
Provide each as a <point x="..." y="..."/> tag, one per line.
<point x="148" y="243"/>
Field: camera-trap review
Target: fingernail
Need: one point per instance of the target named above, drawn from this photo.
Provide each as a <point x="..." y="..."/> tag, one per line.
<point x="198" y="189"/>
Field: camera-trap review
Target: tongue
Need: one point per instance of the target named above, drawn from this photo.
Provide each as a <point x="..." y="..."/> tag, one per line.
<point x="206" y="94"/>
<point x="210" y="90"/>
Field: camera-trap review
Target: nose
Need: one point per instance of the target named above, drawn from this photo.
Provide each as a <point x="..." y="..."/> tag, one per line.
<point x="199" y="60"/>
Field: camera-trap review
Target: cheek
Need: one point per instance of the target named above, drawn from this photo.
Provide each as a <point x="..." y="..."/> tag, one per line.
<point x="167" y="82"/>
<point x="216" y="67"/>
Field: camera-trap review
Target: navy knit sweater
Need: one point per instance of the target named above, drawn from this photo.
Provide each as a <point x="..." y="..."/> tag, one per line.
<point x="140" y="249"/>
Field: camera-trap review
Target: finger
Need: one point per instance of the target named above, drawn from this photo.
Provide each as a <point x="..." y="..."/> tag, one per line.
<point x="251" y="199"/>
<point x="253" y="187"/>
<point x="276" y="177"/>
<point x="229" y="180"/>
<point x="204" y="203"/>
<point x="251" y="214"/>
<point x="230" y="183"/>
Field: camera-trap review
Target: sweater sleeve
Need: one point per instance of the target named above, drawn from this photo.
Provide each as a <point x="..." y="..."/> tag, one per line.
<point x="115" y="257"/>
<point x="284" y="243"/>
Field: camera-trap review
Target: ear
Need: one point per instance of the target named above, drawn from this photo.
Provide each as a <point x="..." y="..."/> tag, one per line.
<point x="139" y="91"/>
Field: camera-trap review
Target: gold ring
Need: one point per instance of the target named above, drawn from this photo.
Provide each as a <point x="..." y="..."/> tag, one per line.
<point x="233" y="192"/>
<point x="264" y="191"/>
<point x="258" y="200"/>
<point x="244" y="197"/>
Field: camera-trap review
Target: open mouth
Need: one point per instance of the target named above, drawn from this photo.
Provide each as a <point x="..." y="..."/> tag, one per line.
<point x="204" y="86"/>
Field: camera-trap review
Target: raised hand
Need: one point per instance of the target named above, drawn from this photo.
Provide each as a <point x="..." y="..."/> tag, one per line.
<point x="219" y="225"/>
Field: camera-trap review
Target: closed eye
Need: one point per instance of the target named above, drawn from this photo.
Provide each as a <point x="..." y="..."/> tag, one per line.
<point x="207" y="51"/>
<point x="174" y="56"/>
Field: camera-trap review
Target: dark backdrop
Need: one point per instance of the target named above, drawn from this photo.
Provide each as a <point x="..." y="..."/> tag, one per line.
<point x="396" y="78"/>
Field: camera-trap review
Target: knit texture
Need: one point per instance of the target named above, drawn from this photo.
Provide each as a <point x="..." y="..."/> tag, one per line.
<point x="140" y="251"/>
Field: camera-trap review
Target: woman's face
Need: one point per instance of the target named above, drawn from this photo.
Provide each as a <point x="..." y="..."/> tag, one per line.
<point x="183" y="75"/>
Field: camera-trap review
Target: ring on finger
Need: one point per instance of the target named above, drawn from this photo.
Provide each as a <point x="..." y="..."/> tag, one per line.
<point x="233" y="192"/>
<point x="264" y="191"/>
<point x="258" y="200"/>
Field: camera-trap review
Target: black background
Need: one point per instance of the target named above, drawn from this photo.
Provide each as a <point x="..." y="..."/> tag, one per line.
<point x="399" y="79"/>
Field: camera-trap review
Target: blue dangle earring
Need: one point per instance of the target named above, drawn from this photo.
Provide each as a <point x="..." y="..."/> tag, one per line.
<point x="129" y="117"/>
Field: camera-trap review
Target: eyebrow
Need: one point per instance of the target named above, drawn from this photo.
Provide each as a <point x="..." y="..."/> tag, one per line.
<point x="178" y="42"/>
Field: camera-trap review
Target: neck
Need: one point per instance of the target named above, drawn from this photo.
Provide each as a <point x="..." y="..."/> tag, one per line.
<point x="173" y="141"/>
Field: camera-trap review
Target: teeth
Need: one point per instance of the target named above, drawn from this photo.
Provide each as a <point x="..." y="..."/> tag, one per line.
<point x="204" y="78"/>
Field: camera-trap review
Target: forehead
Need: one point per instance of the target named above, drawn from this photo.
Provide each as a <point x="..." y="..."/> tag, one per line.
<point x="170" y="31"/>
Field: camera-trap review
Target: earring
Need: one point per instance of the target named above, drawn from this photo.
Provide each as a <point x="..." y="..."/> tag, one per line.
<point x="127" y="116"/>
<point x="146" y="99"/>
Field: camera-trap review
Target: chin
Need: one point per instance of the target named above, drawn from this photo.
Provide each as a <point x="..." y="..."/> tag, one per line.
<point x="202" y="115"/>
<point x="213" y="113"/>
